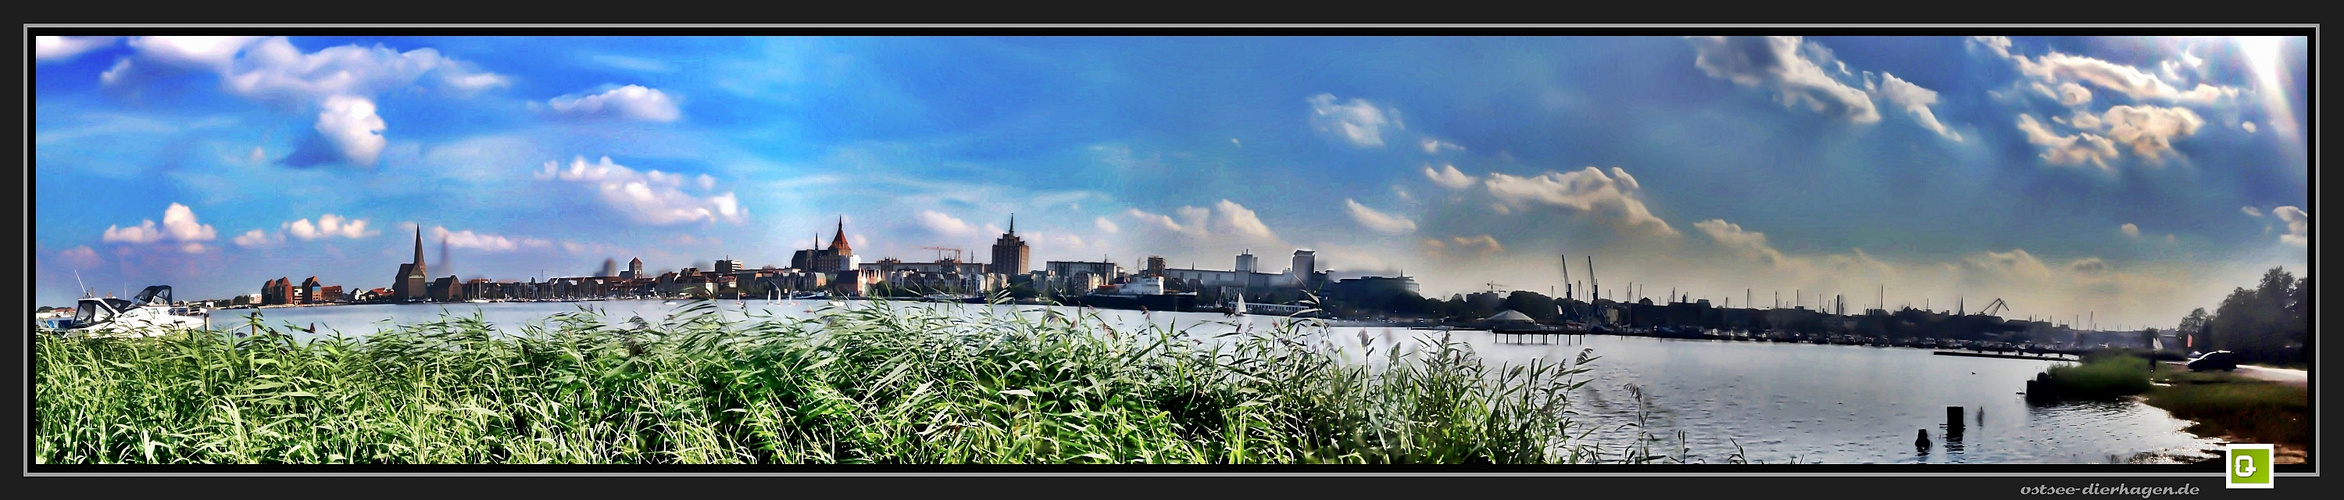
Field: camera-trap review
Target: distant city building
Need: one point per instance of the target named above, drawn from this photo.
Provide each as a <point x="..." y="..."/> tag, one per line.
<point x="838" y="257"/>
<point x="408" y="286"/>
<point x="1155" y="266"/>
<point x="307" y="293"/>
<point x="1246" y="262"/>
<point x="634" y="269"/>
<point x="727" y="266"/>
<point x="1081" y="276"/>
<point x="443" y="289"/>
<point x="1305" y="268"/>
<point x="276" y="292"/>
<point x="1010" y="253"/>
<point x="327" y="295"/>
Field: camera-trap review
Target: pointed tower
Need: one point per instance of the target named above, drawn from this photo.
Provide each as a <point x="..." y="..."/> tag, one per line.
<point x="1011" y="256"/>
<point x="838" y="243"/>
<point x="419" y="252"/>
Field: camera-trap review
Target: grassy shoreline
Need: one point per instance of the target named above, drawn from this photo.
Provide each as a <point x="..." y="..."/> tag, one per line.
<point x="863" y="385"/>
<point x="2219" y="405"/>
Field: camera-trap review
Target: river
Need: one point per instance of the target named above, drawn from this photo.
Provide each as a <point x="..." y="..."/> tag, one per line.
<point x="1778" y="402"/>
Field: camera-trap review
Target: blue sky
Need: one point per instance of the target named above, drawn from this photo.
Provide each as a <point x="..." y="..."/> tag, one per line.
<point x="2131" y="178"/>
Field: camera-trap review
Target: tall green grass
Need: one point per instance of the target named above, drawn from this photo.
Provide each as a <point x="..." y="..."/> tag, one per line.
<point x="881" y="384"/>
<point x="2099" y="375"/>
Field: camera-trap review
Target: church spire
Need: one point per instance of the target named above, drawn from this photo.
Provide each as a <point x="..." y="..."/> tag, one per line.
<point x="419" y="250"/>
<point x="838" y="243"/>
<point x="1012" y="224"/>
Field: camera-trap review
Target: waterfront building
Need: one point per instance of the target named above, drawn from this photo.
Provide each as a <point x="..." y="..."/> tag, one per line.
<point x="1155" y="266"/>
<point x="327" y="295"/>
<point x="408" y="286"/>
<point x="276" y="292"/>
<point x="727" y="266"/>
<point x="443" y="289"/>
<point x="307" y="292"/>
<point x="1010" y="253"/>
<point x="1081" y="276"/>
<point x="634" y="269"/>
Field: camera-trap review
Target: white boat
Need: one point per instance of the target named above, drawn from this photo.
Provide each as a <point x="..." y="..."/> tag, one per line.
<point x="149" y="315"/>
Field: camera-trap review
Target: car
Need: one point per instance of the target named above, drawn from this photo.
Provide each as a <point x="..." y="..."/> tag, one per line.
<point x="2217" y="360"/>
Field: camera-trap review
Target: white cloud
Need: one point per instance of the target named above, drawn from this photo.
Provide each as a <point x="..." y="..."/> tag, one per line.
<point x="1229" y="216"/>
<point x="2122" y="79"/>
<point x="2016" y="263"/>
<point x="944" y="224"/>
<point x="179" y="225"/>
<point x="634" y="102"/>
<point x="485" y="241"/>
<point x="1378" y="221"/>
<point x="327" y="226"/>
<point x="1224" y="221"/>
<point x="2074" y="95"/>
<point x="61" y="48"/>
<point x="81" y="256"/>
<point x="2150" y="130"/>
<point x="1777" y="63"/>
<point x="349" y="123"/>
<point x="1585" y="190"/>
<point x="1434" y="146"/>
<point x="1107" y="226"/>
<point x="2298" y="225"/>
<point x="652" y="197"/>
<point x="1448" y="177"/>
<point x="2130" y="230"/>
<point x="341" y="81"/>
<point x="1358" y="121"/>
<point x="2249" y="126"/>
<point x="257" y="238"/>
<point x="1915" y="101"/>
<point x="2068" y="149"/>
<point x="2251" y="211"/>
<point x="1731" y="236"/>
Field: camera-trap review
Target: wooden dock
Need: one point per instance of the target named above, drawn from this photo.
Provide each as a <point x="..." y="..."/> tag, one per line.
<point x="2044" y="356"/>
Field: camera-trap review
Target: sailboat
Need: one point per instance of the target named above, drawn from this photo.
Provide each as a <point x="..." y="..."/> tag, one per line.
<point x="1238" y="309"/>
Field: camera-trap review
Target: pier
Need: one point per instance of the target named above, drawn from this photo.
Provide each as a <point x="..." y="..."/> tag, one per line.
<point x="2052" y="356"/>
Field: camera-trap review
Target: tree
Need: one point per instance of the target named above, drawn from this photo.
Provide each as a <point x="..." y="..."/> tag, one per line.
<point x="2261" y="323"/>
<point x="2196" y="328"/>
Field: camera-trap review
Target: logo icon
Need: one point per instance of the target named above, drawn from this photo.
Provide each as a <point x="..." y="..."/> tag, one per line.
<point x="2250" y="465"/>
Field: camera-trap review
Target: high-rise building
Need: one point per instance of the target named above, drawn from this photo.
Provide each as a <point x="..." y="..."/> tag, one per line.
<point x="1155" y="266"/>
<point x="1010" y="253"/>
<point x="1305" y="263"/>
<point x="1246" y="262"/>
<point x="409" y="284"/>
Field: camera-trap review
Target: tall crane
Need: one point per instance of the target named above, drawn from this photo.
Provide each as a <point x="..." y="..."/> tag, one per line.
<point x="1592" y="285"/>
<point x="1566" y="276"/>
<point x="1992" y="307"/>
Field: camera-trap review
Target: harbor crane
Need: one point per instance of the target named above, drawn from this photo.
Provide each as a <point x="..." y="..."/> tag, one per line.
<point x="1992" y="307"/>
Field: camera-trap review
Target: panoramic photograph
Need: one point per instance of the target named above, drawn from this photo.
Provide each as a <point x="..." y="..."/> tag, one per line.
<point x="1602" y="248"/>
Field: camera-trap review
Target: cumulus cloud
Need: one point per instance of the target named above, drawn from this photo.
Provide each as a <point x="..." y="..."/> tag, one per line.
<point x="1357" y="121"/>
<point x="1106" y="226"/>
<point x="651" y="197"/>
<point x="1223" y="219"/>
<point x="2249" y="126"/>
<point x="485" y="241"/>
<point x="81" y="256"/>
<point x="2016" y="263"/>
<point x="1777" y="63"/>
<point x="632" y="102"/>
<point x="2298" y="225"/>
<point x="2067" y="149"/>
<point x="1448" y="177"/>
<point x="64" y="48"/>
<point x="179" y="226"/>
<point x="2071" y="69"/>
<point x="1378" y="221"/>
<point x="328" y="226"/>
<point x="944" y="224"/>
<point x="350" y="125"/>
<point x="2074" y="95"/>
<point x="2130" y="230"/>
<point x="1732" y="236"/>
<point x="339" y="81"/>
<point x="2150" y="130"/>
<point x="2251" y="211"/>
<point x="257" y="238"/>
<point x="1616" y="196"/>
<point x="1915" y="101"/>
<point x="2088" y="265"/>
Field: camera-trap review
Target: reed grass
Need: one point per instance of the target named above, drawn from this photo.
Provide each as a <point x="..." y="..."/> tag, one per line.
<point x="2099" y="375"/>
<point x="887" y="383"/>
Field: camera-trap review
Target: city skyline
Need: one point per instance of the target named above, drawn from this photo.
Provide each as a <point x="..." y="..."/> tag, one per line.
<point x="2129" y="178"/>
